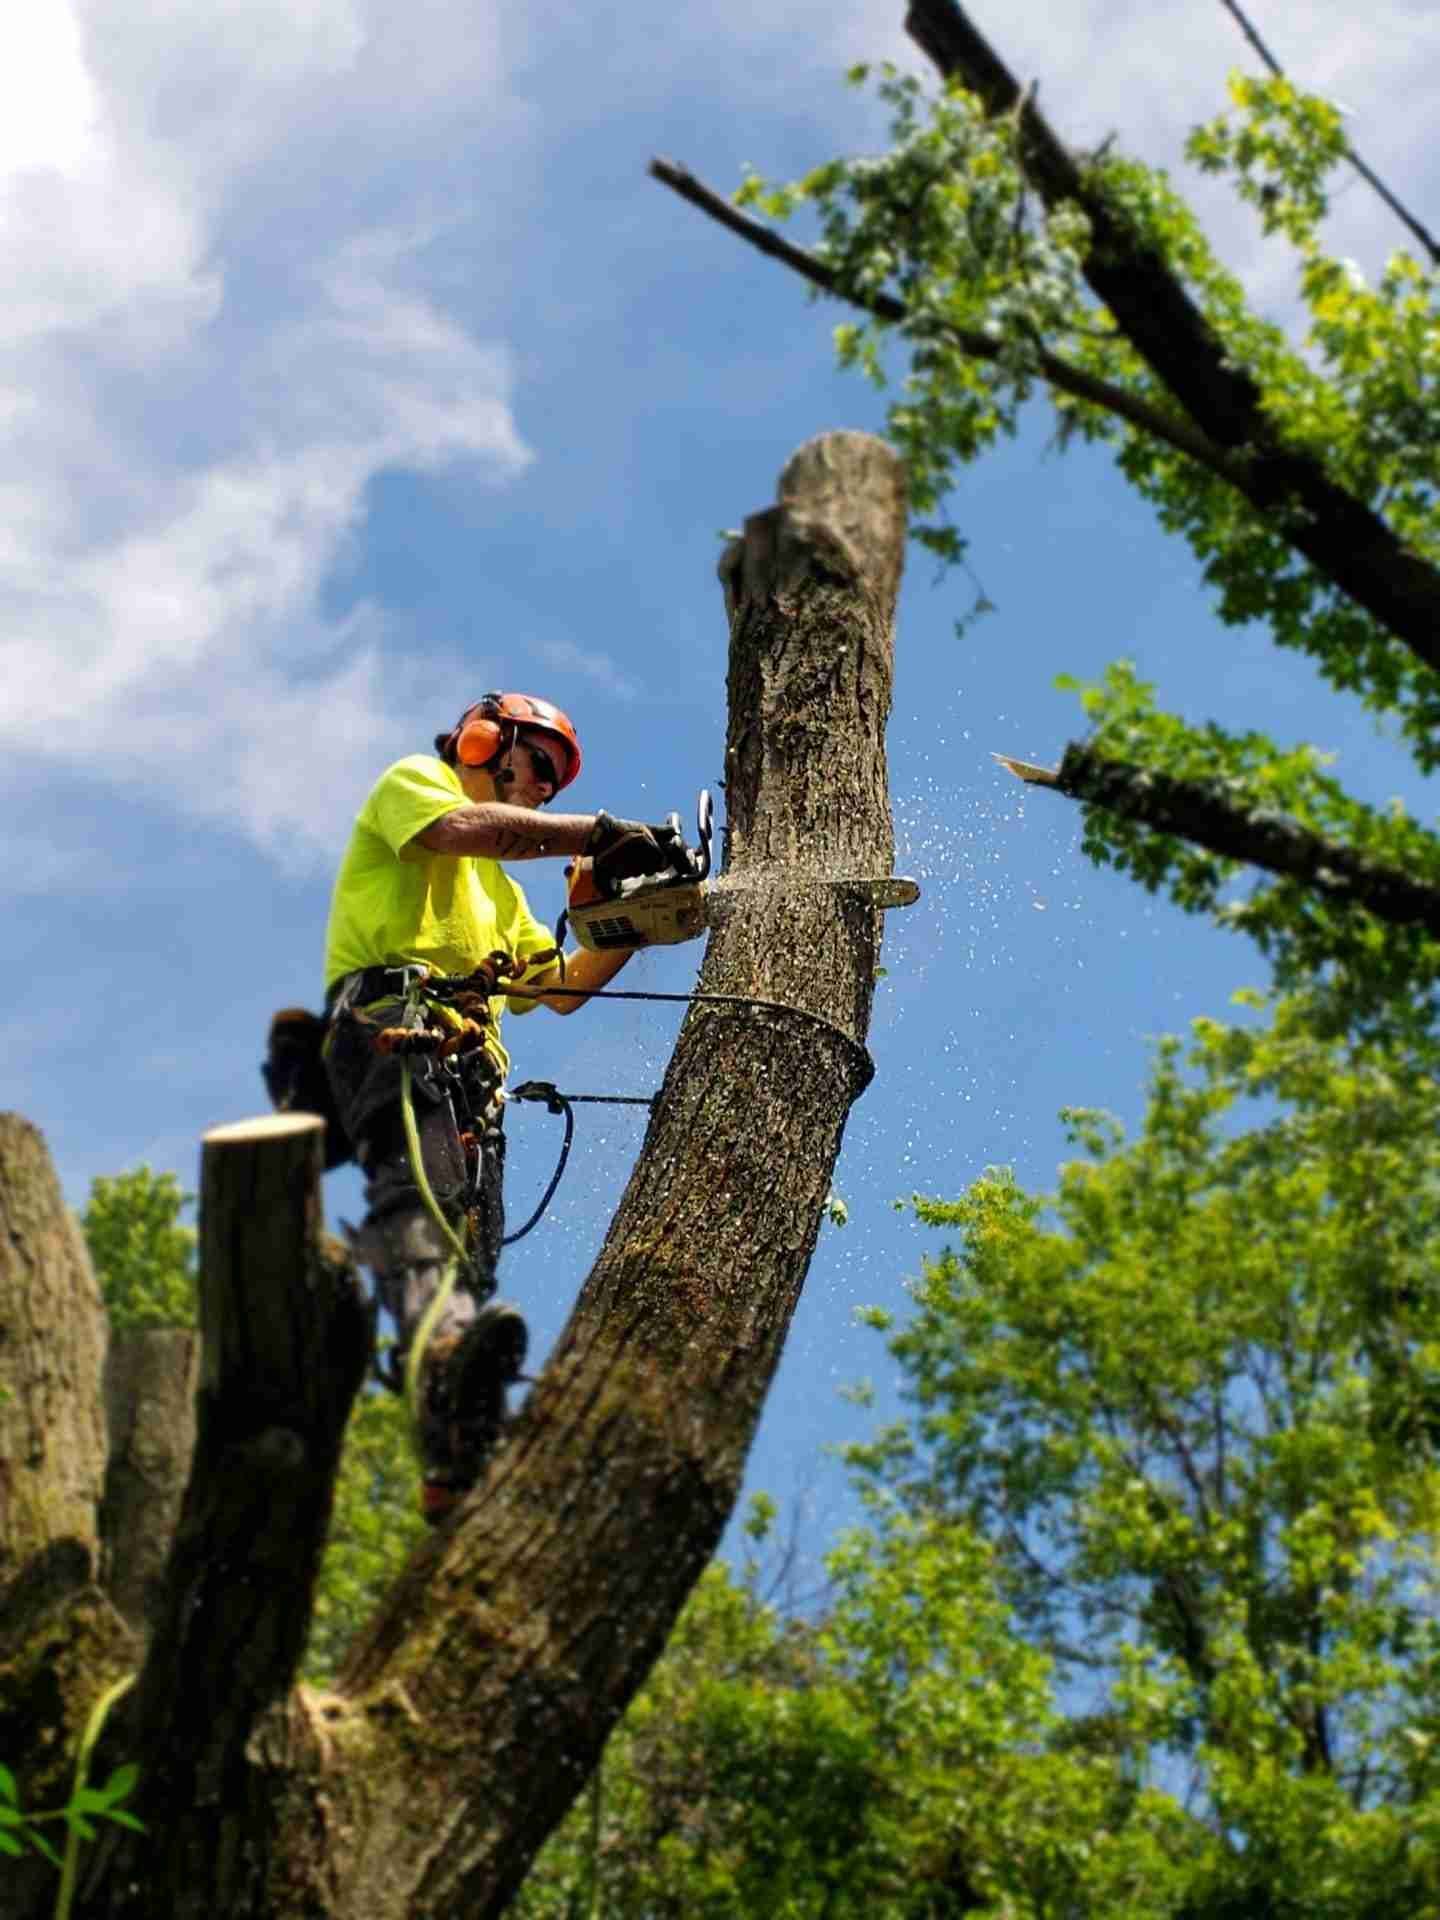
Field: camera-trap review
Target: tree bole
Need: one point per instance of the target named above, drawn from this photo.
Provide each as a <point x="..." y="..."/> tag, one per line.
<point x="478" y="1700"/>
<point x="573" y="1560"/>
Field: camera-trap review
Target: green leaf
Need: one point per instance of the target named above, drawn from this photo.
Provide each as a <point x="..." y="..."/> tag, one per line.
<point x="122" y="1817"/>
<point x="9" y="1788"/>
<point x="121" y="1783"/>
<point x="43" y="1846"/>
<point x="8" y="1844"/>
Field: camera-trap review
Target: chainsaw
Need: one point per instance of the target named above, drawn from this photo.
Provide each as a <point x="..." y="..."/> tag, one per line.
<point x="649" y="909"/>
<point x="662" y="909"/>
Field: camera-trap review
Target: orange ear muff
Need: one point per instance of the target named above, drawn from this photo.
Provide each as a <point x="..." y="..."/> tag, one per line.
<point x="480" y="740"/>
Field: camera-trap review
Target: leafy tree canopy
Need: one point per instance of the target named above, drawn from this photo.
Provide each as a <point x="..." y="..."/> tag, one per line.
<point x="144" y="1257"/>
<point x="1143" y="1620"/>
<point x="995" y="266"/>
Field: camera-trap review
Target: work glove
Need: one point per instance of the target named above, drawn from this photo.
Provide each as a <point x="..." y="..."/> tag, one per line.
<point x="626" y="849"/>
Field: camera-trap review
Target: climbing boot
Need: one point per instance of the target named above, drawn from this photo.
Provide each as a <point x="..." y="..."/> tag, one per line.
<point x="463" y="1385"/>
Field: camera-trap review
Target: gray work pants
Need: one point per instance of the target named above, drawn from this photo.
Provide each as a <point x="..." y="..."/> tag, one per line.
<point x="399" y="1241"/>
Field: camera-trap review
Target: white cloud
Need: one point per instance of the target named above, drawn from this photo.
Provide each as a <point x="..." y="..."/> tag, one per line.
<point x="198" y="380"/>
<point x="48" y="103"/>
<point x="231" y="303"/>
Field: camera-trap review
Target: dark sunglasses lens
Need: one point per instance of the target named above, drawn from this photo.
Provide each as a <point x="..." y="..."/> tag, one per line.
<point x="544" y="767"/>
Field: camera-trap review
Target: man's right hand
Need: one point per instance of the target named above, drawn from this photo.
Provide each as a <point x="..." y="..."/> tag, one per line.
<point x="626" y="849"/>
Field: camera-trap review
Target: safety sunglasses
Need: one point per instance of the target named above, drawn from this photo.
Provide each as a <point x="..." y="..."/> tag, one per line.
<point x="541" y="764"/>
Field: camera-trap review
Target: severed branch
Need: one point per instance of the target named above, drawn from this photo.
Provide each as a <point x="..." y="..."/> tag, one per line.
<point x="1372" y="179"/>
<point x="1341" y="537"/>
<point x="150" y="1379"/>
<point x="285" y="1342"/>
<point x="1172" y="429"/>
<point x="1201" y="811"/>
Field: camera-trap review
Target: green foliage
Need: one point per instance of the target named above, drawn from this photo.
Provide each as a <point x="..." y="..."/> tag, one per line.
<point x="144" y="1258"/>
<point x="1143" y="1623"/>
<point x="85" y="1806"/>
<point x="1365" y="972"/>
<point x="945" y="224"/>
<point x="1191" y="1400"/>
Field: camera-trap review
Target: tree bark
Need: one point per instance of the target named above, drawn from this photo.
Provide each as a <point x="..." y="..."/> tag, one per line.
<point x="1203" y="812"/>
<point x="61" y="1642"/>
<point x="481" y="1695"/>
<point x="52" y="1350"/>
<point x="150" y="1379"/>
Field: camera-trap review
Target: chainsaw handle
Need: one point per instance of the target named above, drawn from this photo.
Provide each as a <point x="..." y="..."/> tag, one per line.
<point x="705" y="828"/>
<point x="689" y="863"/>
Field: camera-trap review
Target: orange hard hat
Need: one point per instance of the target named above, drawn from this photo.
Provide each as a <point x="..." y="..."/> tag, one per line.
<point x="486" y="732"/>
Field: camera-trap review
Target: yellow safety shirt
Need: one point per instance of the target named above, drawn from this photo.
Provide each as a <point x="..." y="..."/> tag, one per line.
<point x="396" y="903"/>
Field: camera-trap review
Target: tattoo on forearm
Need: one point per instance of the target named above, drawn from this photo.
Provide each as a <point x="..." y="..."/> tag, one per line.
<point x="499" y="832"/>
<point x="513" y="845"/>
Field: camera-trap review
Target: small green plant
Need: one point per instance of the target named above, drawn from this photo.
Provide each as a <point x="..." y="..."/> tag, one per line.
<point x="85" y="1805"/>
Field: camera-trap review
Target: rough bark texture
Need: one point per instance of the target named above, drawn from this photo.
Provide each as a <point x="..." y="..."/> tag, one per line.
<point x="150" y="1380"/>
<point x="60" y="1640"/>
<point x="482" y="1693"/>
<point x="570" y="1567"/>
<point x="52" y="1350"/>
<point x="285" y="1340"/>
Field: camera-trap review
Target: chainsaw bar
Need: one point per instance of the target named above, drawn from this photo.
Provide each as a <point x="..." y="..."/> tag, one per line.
<point x="662" y="909"/>
<point x="891" y="891"/>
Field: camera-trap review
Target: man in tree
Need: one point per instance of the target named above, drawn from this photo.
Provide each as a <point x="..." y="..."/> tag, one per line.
<point x="421" y="886"/>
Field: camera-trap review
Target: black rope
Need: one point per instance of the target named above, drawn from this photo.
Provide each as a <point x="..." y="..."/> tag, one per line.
<point x="565" y="1103"/>
<point x="697" y="999"/>
<point x="554" y="1101"/>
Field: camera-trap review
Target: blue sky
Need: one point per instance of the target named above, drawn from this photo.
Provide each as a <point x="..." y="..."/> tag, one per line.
<point x="351" y="365"/>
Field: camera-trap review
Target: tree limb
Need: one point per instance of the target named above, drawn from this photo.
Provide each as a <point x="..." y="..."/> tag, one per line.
<point x="1203" y="812"/>
<point x="285" y="1341"/>
<point x="1342" y="539"/>
<point x="61" y="1642"/>
<point x="52" y="1353"/>
<point x="1060" y="374"/>
<point x="1372" y="179"/>
<point x="150" y="1377"/>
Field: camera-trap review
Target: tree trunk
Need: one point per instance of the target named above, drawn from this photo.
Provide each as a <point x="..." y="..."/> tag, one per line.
<point x="481" y="1695"/>
<point x="150" y="1379"/>
<point x="61" y="1643"/>
<point x="52" y="1350"/>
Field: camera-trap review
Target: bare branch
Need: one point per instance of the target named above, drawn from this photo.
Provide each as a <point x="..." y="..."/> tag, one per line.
<point x="1060" y="374"/>
<point x="1201" y="811"/>
<point x="1397" y="207"/>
